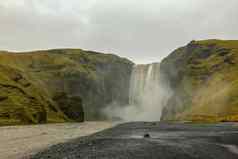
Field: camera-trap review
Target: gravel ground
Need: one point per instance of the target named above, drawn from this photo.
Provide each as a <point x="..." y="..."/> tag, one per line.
<point x="21" y="141"/>
<point x="143" y="140"/>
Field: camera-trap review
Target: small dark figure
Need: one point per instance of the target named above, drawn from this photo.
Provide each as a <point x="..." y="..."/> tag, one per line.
<point x="147" y="135"/>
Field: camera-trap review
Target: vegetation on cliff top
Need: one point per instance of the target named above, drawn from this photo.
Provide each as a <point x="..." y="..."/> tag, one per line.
<point x="72" y="84"/>
<point x="54" y="85"/>
<point x="204" y="77"/>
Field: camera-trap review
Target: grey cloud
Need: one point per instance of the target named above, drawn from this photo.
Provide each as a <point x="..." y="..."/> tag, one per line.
<point x="144" y="31"/>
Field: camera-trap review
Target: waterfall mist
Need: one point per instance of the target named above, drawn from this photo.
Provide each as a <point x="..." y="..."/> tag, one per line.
<point x="149" y="92"/>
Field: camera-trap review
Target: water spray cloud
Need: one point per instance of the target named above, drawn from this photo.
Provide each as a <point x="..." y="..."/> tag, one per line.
<point x="149" y="93"/>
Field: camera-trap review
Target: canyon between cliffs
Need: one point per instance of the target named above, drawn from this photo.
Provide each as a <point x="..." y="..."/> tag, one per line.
<point x="196" y="83"/>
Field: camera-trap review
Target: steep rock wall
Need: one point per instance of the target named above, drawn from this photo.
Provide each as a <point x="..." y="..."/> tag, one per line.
<point x="77" y="83"/>
<point x="204" y="78"/>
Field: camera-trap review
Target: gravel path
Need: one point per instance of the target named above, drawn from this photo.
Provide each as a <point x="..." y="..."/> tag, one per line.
<point x="143" y="140"/>
<point x="20" y="141"/>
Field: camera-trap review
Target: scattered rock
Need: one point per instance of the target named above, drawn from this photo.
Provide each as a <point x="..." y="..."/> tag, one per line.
<point x="16" y="77"/>
<point x="2" y="98"/>
<point x="147" y="135"/>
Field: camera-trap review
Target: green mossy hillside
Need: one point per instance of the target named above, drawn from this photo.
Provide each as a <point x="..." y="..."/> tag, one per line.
<point x="60" y="85"/>
<point x="21" y="102"/>
<point x="204" y="78"/>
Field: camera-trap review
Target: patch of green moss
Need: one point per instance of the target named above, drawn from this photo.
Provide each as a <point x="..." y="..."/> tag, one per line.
<point x="22" y="102"/>
<point x="79" y="74"/>
<point x="206" y="74"/>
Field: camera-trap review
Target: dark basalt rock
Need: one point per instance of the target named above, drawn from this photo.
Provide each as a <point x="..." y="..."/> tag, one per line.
<point x="147" y="135"/>
<point x="71" y="106"/>
<point x="2" y="98"/>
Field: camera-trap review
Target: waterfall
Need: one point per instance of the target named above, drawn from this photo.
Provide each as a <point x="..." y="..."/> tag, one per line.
<point x="148" y="95"/>
<point x="146" y="92"/>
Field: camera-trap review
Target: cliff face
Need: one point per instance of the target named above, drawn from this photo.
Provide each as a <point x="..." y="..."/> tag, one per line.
<point x="73" y="85"/>
<point x="204" y="78"/>
<point x="60" y="85"/>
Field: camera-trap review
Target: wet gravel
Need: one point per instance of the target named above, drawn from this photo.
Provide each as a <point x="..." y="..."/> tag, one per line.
<point x="151" y="140"/>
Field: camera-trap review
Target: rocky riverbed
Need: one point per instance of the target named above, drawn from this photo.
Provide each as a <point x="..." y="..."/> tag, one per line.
<point x="22" y="141"/>
<point x="142" y="140"/>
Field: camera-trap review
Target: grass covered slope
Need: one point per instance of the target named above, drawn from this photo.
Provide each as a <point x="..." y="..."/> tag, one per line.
<point x="60" y="85"/>
<point x="21" y="102"/>
<point x="204" y="77"/>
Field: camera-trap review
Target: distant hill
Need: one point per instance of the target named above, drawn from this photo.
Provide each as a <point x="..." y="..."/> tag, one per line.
<point x="204" y="78"/>
<point x="60" y="85"/>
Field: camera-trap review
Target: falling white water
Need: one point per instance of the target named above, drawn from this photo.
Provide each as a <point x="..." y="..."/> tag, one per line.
<point x="148" y="95"/>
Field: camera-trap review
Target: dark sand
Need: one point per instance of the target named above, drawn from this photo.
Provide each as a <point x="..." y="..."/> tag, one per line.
<point x="165" y="141"/>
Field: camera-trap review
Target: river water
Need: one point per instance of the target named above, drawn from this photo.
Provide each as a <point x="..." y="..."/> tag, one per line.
<point x="19" y="141"/>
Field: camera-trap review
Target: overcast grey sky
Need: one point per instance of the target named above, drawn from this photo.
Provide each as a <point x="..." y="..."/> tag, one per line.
<point x="142" y="30"/>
